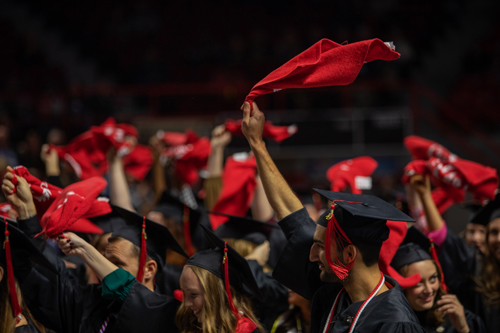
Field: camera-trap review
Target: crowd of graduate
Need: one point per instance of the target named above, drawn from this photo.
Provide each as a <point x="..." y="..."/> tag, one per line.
<point x="216" y="245"/>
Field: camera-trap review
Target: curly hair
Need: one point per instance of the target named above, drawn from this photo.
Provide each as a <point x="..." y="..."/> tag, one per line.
<point x="488" y="281"/>
<point x="216" y="315"/>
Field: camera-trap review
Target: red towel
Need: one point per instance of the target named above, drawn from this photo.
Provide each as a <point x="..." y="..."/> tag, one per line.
<point x="454" y="178"/>
<point x="173" y="139"/>
<point x="276" y="133"/>
<point x="388" y="251"/>
<point x="345" y="173"/>
<point x="238" y="188"/>
<point x="189" y="159"/>
<point x="138" y="162"/>
<point x="71" y="205"/>
<point x="423" y="149"/>
<point x="326" y="63"/>
<point x="110" y="134"/>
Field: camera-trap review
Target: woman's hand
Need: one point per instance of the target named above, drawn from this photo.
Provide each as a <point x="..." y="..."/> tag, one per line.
<point x="451" y="306"/>
<point x="220" y="137"/>
<point x="421" y="184"/>
<point x="72" y="244"/>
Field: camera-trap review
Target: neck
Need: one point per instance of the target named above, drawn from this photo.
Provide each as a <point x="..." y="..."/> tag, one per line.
<point x="362" y="281"/>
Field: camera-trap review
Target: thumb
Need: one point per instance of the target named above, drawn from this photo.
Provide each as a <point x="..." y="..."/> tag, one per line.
<point x="246" y="111"/>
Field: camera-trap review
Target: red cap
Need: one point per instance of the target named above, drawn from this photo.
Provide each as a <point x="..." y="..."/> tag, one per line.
<point x="71" y="205"/>
<point x="238" y="179"/>
<point x="326" y="63"/>
<point x="349" y="172"/>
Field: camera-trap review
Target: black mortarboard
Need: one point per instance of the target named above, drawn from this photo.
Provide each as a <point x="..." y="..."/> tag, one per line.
<point x="240" y="274"/>
<point x="362" y="217"/>
<point x="158" y="237"/>
<point x="414" y="248"/>
<point x="487" y="213"/>
<point x="109" y="222"/>
<point x="237" y="227"/>
<point x="173" y="207"/>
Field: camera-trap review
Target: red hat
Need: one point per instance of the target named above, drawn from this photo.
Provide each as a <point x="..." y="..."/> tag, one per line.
<point x="72" y="205"/>
<point x="352" y="172"/>
<point x="326" y="63"/>
<point x="138" y="162"/>
<point x="423" y="149"/>
<point x="276" y="133"/>
<point x="238" y="187"/>
<point x="189" y="159"/>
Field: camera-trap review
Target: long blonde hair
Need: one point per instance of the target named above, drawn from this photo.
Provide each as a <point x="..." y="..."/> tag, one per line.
<point x="216" y="315"/>
<point x="7" y="320"/>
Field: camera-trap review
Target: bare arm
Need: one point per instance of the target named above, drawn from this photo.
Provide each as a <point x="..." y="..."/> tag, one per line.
<point x="220" y="139"/>
<point x="280" y="195"/>
<point x="159" y="181"/>
<point x="423" y="188"/>
<point x="51" y="160"/>
<point x="261" y="208"/>
<point x="118" y="188"/>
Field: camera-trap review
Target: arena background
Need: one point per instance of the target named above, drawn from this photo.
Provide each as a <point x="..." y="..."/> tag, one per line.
<point x="170" y="65"/>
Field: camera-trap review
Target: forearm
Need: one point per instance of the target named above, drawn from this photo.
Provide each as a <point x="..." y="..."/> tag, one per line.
<point x="118" y="187"/>
<point x="281" y="197"/>
<point x="434" y="220"/>
<point x="159" y="182"/>
<point x="261" y="209"/>
<point x="97" y="262"/>
<point x="215" y="162"/>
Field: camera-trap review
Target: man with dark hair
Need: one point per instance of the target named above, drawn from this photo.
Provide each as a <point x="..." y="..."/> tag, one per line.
<point x="365" y="300"/>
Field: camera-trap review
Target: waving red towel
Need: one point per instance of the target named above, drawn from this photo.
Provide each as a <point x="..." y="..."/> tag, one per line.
<point x="326" y="63"/>
<point x="138" y="162"/>
<point x="423" y="149"/>
<point x="173" y="139"/>
<point x="71" y="205"/>
<point x="238" y="188"/>
<point x="347" y="173"/>
<point x="110" y="134"/>
<point x="276" y="133"/>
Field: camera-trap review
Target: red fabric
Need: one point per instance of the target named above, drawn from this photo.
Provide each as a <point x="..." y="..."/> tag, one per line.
<point x="5" y="208"/>
<point x="423" y="149"/>
<point x="344" y="173"/>
<point x="326" y="63"/>
<point x="245" y="325"/>
<point x="178" y="295"/>
<point x="71" y="205"/>
<point x="238" y="187"/>
<point x="43" y="193"/>
<point x="276" y="133"/>
<point x="189" y="159"/>
<point x="85" y="226"/>
<point x="388" y="251"/>
<point x="138" y="162"/>
<point x="173" y="139"/>
<point x="454" y="178"/>
<point x="110" y="134"/>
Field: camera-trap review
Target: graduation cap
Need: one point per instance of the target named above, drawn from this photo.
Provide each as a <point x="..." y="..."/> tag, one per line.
<point x="152" y="238"/>
<point x="487" y="213"/>
<point x="14" y="239"/>
<point x="109" y="222"/>
<point x="238" y="227"/>
<point x="357" y="217"/>
<point x="416" y="247"/>
<point x="224" y="262"/>
<point x="172" y="207"/>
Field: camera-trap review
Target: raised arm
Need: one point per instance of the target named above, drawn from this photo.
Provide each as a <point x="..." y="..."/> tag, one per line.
<point x="261" y="208"/>
<point x="280" y="195"/>
<point x="119" y="192"/>
<point x="423" y="188"/>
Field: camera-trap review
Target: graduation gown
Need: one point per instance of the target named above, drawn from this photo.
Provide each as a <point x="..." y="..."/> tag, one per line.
<point x="169" y="280"/>
<point x="65" y="306"/>
<point x="387" y="312"/>
<point x="475" y="324"/>
<point x="274" y="296"/>
<point x="460" y="262"/>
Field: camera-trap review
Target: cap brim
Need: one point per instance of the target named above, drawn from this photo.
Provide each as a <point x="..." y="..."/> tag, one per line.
<point x="483" y="215"/>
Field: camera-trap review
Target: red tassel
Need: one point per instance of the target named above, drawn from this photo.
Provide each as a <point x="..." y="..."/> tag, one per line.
<point x="435" y="258"/>
<point x="341" y="270"/>
<point x="142" y="259"/>
<point x="187" y="231"/>
<point x="10" y="277"/>
<point x="225" y="262"/>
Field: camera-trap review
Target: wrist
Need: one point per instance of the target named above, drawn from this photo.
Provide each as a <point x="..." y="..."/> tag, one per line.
<point x="26" y="211"/>
<point x="257" y="144"/>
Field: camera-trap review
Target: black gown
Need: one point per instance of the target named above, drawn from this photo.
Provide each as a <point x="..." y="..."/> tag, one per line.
<point x="475" y="324"/>
<point x="63" y="305"/>
<point x="460" y="263"/>
<point x="387" y="312"/>
<point x="169" y="280"/>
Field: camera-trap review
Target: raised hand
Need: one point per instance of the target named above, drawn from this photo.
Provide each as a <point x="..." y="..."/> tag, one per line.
<point x="71" y="244"/>
<point x="253" y="123"/>
<point x="220" y="137"/>
<point x="421" y="184"/>
<point x="451" y="306"/>
<point x="20" y="198"/>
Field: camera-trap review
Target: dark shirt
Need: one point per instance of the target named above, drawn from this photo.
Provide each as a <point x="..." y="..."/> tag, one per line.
<point x="387" y="312"/>
<point x="63" y="305"/>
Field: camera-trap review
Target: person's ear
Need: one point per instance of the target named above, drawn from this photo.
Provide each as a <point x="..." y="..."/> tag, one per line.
<point x="150" y="269"/>
<point x="350" y="253"/>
